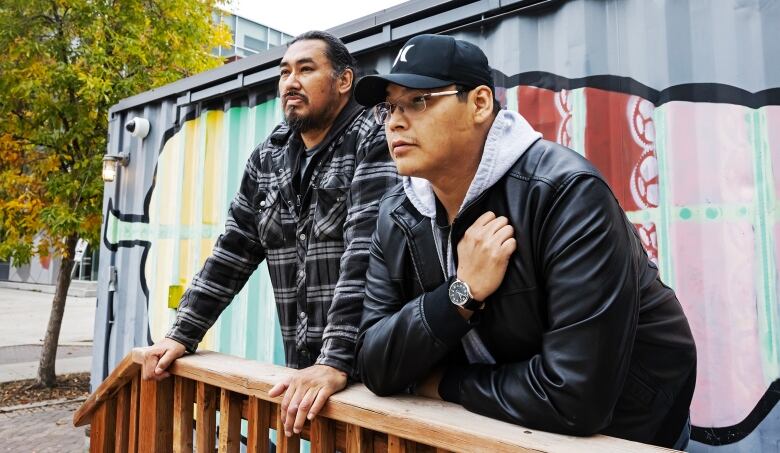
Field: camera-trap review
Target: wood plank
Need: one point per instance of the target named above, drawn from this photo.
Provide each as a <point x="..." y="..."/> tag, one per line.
<point x="103" y="431"/>
<point x="135" y="410"/>
<point x="358" y="440"/>
<point x="285" y="444"/>
<point x="206" y="426"/>
<point x="121" y="375"/>
<point x="229" y="422"/>
<point x="155" y="431"/>
<point x="396" y="444"/>
<point x="183" y="407"/>
<point x="123" y="419"/>
<point x="323" y="435"/>
<point x="258" y="417"/>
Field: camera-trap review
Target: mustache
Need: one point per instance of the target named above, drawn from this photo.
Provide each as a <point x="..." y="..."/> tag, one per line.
<point x="288" y="94"/>
<point x="408" y="140"/>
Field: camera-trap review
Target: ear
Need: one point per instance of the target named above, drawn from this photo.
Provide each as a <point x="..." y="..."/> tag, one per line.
<point x="345" y="81"/>
<point x="482" y="101"/>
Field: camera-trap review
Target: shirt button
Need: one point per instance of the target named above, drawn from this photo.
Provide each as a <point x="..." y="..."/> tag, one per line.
<point x="281" y="170"/>
<point x="262" y="203"/>
<point x="301" y="273"/>
<point x="302" y="237"/>
<point x="302" y="315"/>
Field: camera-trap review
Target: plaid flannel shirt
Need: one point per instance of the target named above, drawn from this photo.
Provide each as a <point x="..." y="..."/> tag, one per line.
<point x="316" y="243"/>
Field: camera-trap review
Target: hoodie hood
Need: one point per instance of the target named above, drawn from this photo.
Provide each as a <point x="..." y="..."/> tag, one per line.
<point x="509" y="137"/>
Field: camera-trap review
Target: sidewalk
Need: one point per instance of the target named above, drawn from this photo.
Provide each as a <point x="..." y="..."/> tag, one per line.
<point x="24" y="315"/>
<point x="42" y="429"/>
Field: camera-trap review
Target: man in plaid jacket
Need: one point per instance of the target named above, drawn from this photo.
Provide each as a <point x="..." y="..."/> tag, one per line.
<point x="307" y="203"/>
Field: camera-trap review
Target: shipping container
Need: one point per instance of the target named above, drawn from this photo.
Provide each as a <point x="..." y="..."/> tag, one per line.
<point x="677" y="102"/>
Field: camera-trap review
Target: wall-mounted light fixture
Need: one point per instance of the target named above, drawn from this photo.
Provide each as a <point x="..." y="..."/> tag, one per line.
<point x="110" y="162"/>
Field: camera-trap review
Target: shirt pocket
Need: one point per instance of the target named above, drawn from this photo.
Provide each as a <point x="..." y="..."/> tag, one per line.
<point x="269" y="219"/>
<point x="330" y="213"/>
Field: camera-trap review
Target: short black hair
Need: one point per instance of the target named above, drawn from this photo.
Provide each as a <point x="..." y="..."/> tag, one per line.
<point x="335" y="50"/>
<point x="463" y="94"/>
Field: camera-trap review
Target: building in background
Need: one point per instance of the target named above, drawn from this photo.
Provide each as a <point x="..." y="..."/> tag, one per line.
<point x="249" y="37"/>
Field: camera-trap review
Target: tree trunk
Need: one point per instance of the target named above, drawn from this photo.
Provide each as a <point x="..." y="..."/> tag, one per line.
<point x="46" y="374"/>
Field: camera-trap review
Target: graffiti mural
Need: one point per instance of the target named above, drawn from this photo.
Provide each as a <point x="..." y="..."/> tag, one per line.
<point x="697" y="181"/>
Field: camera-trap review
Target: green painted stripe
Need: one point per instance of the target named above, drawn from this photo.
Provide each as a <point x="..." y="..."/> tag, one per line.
<point x="511" y="99"/>
<point x="663" y="228"/>
<point x="579" y="119"/>
<point x="767" y="278"/>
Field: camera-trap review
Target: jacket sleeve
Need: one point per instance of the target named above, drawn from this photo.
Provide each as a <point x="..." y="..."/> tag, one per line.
<point x="591" y="284"/>
<point x="234" y="258"/>
<point x="402" y="341"/>
<point x="374" y="174"/>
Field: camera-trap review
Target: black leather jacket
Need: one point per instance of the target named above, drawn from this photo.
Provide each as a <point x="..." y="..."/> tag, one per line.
<point x="586" y="337"/>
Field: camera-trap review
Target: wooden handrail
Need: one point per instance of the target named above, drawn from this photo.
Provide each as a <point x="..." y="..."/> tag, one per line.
<point x="158" y="416"/>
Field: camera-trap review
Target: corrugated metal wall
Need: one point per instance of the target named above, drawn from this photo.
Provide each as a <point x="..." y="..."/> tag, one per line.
<point x="677" y="102"/>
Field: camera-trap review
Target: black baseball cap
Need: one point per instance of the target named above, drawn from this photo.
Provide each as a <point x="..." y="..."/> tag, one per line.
<point x="429" y="61"/>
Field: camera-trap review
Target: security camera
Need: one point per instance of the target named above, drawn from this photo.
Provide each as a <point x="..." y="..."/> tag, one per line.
<point x="138" y="127"/>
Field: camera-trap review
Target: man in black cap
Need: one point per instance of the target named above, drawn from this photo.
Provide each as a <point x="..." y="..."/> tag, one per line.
<point x="504" y="275"/>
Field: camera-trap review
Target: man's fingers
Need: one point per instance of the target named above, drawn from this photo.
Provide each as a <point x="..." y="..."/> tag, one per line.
<point x="165" y="361"/>
<point x="495" y="225"/>
<point x="288" y="395"/>
<point x="319" y="402"/>
<point x="508" y="247"/>
<point x="150" y="363"/>
<point x="504" y="233"/>
<point x="484" y="219"/>
<point x="303" y="410"/>
<point x="279" y="388"/>
<point x="292" y="410"/>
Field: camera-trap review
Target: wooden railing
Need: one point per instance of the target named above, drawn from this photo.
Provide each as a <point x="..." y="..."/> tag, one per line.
<point x="129" y="414"/>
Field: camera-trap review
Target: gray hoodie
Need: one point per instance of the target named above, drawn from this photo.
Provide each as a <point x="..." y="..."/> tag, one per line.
<point x="509" y="137"/>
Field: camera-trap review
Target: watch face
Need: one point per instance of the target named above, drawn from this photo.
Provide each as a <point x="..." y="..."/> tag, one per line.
<point x="459" y="293"/>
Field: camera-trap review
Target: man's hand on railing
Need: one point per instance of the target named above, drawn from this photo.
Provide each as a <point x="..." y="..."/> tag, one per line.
<point x="159" y="356"/>
<point x="305" y="392"/>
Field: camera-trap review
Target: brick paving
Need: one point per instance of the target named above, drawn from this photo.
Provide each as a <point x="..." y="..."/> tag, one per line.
<point x="42" y="429"/>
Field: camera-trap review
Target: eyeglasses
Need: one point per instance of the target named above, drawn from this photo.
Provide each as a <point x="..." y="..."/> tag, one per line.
<point x="414" y="104"/>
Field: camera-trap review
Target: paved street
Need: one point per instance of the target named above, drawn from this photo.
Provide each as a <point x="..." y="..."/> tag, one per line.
<point x="41" y="429"/>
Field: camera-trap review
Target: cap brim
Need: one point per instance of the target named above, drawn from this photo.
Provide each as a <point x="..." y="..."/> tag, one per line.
<point x="372" y="89"/>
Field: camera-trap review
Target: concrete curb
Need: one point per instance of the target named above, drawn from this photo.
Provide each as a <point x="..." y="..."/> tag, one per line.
<point x="6" y="409"/>
<point x="77" y="289"/>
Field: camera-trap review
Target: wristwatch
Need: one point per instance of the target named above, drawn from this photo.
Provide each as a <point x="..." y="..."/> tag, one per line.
<point x="460" y="295"/>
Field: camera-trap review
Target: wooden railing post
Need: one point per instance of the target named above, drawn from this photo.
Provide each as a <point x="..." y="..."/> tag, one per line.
<point x="397" y="444"/>
<point x="135" y="411"/>
<point x="123" y="419"/>
<point x="205" y="428"/>
<point x="155" y="431"/>
<point x="357" y="439"/>
<point x="259" y="420"/>
<point x="323" y="435"/>
<point x="229" y="422"/>
<point x="183" y="402"/>
<point x="103" y="431"/>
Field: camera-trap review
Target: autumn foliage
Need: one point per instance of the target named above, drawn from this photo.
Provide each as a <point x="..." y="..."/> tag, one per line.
<point x="63" y="64"/>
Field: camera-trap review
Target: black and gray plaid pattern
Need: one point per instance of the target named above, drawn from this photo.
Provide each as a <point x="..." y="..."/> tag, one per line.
<point x="316" y="244"/>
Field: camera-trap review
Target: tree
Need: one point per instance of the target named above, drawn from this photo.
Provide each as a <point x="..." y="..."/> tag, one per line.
<point x="63" y="64"/>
